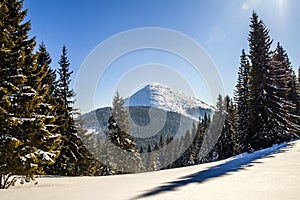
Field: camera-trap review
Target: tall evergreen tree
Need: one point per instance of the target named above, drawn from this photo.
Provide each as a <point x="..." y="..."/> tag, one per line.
<point x="272" y="93"/>
<point x="259" y="135"/>
<point x="282" y="84"/>
<point x="74" y="158"/>
<point x="122" y="153"/>
<point x="241" y="99"/>
<point x="26" y="140"/>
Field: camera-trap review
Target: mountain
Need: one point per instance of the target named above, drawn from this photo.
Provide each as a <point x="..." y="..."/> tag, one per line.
<point x="154" y="110"/>
<point x="162" y="97"/>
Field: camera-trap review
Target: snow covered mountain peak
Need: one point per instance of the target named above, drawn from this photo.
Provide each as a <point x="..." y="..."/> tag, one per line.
<point x="163" y="97"/>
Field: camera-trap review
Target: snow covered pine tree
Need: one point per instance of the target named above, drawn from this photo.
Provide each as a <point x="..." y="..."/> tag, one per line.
<point x="26" y="135"/>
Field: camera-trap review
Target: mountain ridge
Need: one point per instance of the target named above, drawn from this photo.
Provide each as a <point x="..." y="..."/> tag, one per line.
<point x="168" y="99"/>
<point x="153" y="110"/>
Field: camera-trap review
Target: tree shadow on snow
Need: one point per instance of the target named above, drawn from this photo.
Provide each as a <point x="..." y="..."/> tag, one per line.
<point x="239" y="162"/>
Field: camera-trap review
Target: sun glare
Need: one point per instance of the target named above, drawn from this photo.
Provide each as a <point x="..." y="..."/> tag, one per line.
<point x="279" y="9"/>
<point x="279" y="5"/>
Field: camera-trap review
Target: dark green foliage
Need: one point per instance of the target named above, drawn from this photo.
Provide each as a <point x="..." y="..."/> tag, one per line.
<point x="27" y="135"/>
<point x="284" y="95"/>
<point x="298" y="97"/>
<point x="267" y="105"/>
<point x="44" y="62"/>
<point x="241" y="99"/>
<point x="259" y="135"/>
<point x="74" y="158"/>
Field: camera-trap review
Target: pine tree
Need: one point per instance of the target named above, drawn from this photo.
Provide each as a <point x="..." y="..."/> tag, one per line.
<point x="226" y="145"/>
<point x="201" y="131"/>
<point x="120" y="114"/>
<point x="152" y="161"/>
<point x="283" y="95"/>
<point x="122" y="153"/>
<point x="156" y="155"/>
<point x="27" y="140"/>
<point x="169" y="152"/>
<point x="241" y="99"/>
<point x="270" y="105"/>
<point x="298" y="97"/>
<point x="161" y="145"/>
<point x="74" y="158"/>
<point x="49" y="79"/>
<point x="259" y="135"/>
<point x="94" y="166"/>
<point x="214" y="131"/>
<point x="141" y="150"/>
<point x="282" y="58"/>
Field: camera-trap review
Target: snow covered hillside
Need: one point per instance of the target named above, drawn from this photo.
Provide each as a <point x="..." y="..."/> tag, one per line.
<point x="271" y="173"/>
<point x="163" y="97"/>
<point x="153" y="111"/>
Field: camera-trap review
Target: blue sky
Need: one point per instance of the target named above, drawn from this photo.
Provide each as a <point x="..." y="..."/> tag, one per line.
<point x="220" y="27"/>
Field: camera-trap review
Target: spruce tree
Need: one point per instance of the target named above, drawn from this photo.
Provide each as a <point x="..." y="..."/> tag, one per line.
<point x="74" y="158"/>
<point x="27" y="141"/>
<point x="169" y="152"/>
<point x="122" y="153"/>
<point x="93" y="145"/>
<point x="156" y="156"/>
<point x="214" y="131"/>
<point x="201" y="132"/>
<point x="298" y="97"/>
<point x="241" y="99"/>
<point x="259" y="134"/>
<point x="282" y="58"/>
<point x="283" y="95"/>
<point x="151" y="163"/>
<point x="226" y="144"/>
<point x="49" y="78"/>
<point x="120" y="114"/>
<point x="272" y="93"/>
<point x="161" y="145"/>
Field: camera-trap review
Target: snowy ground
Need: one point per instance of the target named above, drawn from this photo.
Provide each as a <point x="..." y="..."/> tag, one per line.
<point x="267" y="174"/>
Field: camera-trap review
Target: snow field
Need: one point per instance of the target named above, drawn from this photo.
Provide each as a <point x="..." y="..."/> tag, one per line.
<point x="271" y="173"/>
